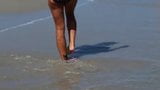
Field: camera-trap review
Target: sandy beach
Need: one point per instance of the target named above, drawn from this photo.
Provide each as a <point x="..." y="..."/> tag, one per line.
<point x="118" y="45"/>
<point x="22" y="6"/>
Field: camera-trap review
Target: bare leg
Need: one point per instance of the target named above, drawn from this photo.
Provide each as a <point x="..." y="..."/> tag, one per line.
<point x="71" y="23"/>
<point x="58" y="15"/>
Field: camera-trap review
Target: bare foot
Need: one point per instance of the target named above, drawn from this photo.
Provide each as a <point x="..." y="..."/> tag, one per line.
<point x="72" y="60"/>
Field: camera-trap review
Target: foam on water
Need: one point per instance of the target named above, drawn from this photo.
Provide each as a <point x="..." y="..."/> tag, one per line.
<point x="19" y="72"/>
<point x="38" y="20"/>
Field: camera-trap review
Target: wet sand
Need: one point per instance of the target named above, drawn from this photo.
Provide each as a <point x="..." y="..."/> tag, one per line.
<point x="38" y="73"/>
<point x="23" y="6"/>
<point x="118" y="47"/>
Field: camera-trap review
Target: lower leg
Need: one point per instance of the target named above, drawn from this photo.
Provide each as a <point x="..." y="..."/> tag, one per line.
<point x="72" y="38"/>
<point x="58" y="16"/>
<point x="61" y="44"/>
<point x="71" y="24"/>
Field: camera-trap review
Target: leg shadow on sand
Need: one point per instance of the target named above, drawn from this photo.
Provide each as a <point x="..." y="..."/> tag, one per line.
<point x="103" y="47"/>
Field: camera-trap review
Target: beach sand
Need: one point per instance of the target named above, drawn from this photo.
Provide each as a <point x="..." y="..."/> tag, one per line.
<point x="16" y="6"/>
<point x="43" y="73"/>
<point x="117" y="44"/>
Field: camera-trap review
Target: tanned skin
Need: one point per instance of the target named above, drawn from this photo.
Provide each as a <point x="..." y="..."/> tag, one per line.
<point x="64" y="14"/>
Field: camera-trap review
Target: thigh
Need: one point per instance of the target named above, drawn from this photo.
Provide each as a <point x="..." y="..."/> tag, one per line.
<point x="57" y="12"/>
<point x="70" y="6"/>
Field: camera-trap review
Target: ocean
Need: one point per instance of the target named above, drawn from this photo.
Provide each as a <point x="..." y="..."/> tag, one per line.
<point x="117" y="46"/>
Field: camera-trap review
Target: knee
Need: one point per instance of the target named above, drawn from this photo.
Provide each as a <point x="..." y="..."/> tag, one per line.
<point x="70" y="15"/>
<point x="71" y="19"/>
<point x="60" y="34"/>
<point x="59" y="26"/>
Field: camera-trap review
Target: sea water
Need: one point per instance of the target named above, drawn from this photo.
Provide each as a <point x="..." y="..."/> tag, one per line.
<point x="29" y="72"/>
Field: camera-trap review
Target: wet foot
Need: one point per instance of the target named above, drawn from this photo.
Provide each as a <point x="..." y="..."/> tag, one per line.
<point x="72" y="60"/>
<point x="70" y="51"/>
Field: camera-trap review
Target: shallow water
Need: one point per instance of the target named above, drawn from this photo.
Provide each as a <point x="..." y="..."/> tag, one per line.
<point x="118" y="46"/>
<point x="29" y="72"/>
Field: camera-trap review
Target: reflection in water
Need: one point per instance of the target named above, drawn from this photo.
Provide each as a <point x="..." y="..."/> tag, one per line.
<point x="65" y="78"/>
<point x="69" y="74"/>
<point x="34" y="73"/>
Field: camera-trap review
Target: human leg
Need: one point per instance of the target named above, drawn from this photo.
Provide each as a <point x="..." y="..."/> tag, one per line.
<point x="71" y="23"/>
<point x="58" y="15"/>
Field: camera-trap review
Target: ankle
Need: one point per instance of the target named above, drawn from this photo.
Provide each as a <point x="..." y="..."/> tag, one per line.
<point x="65" y="57"/>
<point x="71" y="47"/>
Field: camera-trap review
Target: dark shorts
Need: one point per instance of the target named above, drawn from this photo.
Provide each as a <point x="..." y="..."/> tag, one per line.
<point x="61" y="1"/>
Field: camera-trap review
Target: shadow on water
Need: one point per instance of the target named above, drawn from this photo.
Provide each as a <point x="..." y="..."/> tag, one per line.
<point x="103" y="47"/>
